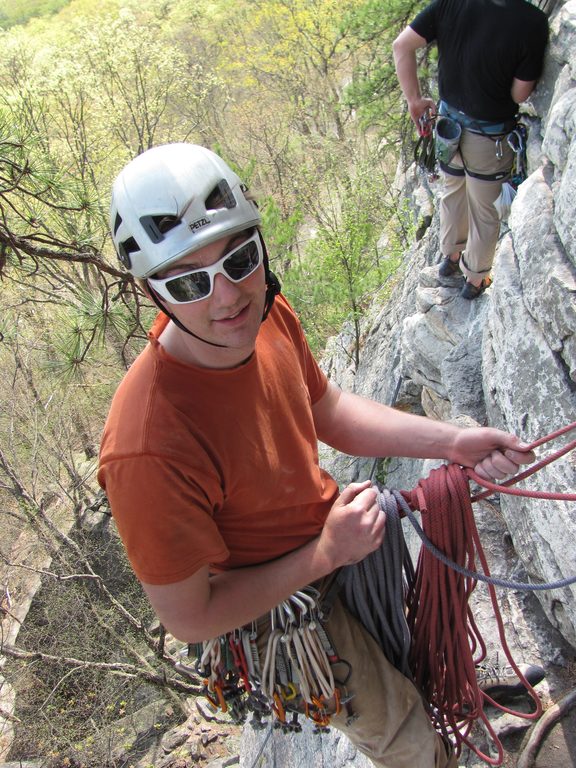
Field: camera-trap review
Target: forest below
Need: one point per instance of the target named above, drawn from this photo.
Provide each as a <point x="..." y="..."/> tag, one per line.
<point x="300" y="97"/>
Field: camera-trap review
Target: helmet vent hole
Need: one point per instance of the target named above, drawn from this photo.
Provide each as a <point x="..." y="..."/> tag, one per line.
<point x="158" y="226"/>
<point x="117" y="223"/>
<point x="125" y="249"/>
<point x="220" y="197"/>
<point x="166" y="223"/>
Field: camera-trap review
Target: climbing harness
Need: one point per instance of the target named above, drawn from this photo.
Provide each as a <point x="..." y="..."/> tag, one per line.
<point x="511" y="132"/>
<point x="297" y="676"/>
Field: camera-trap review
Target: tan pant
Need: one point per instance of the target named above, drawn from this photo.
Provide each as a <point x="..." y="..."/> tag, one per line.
<point x="392" y="727"/>
<point x="468" y="218"/>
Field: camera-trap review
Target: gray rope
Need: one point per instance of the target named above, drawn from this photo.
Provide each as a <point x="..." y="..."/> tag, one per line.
<point x="374" y="589"/>
<point x="495" y="581"/>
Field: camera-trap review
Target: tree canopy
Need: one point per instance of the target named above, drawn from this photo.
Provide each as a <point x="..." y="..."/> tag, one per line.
<point x="299" y="97"/>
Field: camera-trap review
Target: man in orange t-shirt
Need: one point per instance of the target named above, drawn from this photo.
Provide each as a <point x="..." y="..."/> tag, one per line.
<point x="209" y="456"/>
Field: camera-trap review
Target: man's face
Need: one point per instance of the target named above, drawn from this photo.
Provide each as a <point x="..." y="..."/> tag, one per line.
<point x="231" y="315"/>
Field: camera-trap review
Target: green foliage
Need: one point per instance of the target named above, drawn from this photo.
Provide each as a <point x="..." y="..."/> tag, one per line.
<point x="13" y="12"/>
<point x="281" y="232"/>
<point x="342" y="268"/>
<point x="374" y="90"/>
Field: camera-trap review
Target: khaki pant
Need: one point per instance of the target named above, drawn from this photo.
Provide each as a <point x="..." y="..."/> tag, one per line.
<point x="468" y="218"/>
<point x="390" y="724"/>
<point x="392" y="727"/>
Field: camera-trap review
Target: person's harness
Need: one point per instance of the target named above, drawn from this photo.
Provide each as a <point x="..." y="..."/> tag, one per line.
<point x="510" y="131"/>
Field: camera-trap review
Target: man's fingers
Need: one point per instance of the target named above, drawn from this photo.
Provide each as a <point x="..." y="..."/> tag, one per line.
<point x="352" y="490"/>
<point x="520" y="457"/>
<point x="499" y="465"/>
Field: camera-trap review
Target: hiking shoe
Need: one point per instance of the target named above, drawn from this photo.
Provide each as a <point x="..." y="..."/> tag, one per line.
<point x="471" y="291"/>
<point x="500" y="682"/>
<point x="448" y="268"/>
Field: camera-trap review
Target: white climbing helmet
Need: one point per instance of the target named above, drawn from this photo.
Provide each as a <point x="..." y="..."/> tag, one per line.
<point x="172" y="200"/>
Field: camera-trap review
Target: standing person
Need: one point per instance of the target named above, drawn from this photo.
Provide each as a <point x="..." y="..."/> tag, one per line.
<point x="490" y="56"/>
<point x="209" y="456"/>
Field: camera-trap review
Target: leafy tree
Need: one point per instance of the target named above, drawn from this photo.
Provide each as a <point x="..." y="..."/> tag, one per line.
<point x="263" y="82"/>
<point x="13" y="12"/>
<point x="343" y="268"/>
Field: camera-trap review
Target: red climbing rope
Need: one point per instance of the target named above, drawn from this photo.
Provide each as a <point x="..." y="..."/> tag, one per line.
<point x="439" y="617"/>
<point x="505" y="486"/>
<point x="446" y="643"/>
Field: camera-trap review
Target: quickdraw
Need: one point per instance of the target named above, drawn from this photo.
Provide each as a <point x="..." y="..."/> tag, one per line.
<point x="517" y="141"/>
<point x="296" y="677"/>
<point x="425" y="149"/>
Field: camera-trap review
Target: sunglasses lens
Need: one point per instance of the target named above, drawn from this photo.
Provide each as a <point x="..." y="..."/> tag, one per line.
<point x="189" y="287"/>
<point x="243" y="261"/>
<point x="197" y="284"/>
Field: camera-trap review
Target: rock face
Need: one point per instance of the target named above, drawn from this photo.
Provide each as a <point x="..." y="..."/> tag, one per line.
<point x="507" y="359"/>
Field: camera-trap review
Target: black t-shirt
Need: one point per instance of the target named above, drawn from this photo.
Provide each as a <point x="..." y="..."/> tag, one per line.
<point x="483" y="45"/>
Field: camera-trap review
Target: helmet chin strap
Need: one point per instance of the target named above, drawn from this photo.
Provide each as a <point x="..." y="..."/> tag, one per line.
<point x="273" y="288"/>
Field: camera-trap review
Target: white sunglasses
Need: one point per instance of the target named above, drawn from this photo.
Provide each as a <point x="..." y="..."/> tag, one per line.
<point x="198" y="284"/>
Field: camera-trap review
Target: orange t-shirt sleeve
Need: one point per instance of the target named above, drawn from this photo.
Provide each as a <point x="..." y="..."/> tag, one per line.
<point x="167" y="510"/>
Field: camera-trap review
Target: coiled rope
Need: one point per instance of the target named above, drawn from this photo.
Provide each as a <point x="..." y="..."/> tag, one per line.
<point x="421" y="617"/>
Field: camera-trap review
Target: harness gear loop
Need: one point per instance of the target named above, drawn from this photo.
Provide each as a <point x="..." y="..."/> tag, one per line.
<point x="296" y="673"/>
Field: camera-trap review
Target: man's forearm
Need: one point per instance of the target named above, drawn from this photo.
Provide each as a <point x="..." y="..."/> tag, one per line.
<point x="362" y="427"/>
<point x="201" y="607"/>
<point x="407" y="72"/>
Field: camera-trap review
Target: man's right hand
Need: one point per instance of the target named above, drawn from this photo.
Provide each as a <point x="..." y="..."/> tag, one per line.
<point x="355" y="525"/>
<point x="422" y="111"/>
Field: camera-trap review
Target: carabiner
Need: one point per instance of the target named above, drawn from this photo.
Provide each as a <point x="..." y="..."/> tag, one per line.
<point x="289" y="692"/>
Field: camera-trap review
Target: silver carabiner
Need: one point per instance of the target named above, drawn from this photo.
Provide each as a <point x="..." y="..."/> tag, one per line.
<point x="499" y="148"/>
<point x="516" y="144"/>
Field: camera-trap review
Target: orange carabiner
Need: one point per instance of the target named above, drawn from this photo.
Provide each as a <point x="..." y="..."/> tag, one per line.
<point x="278" y="707"/>
<point x="218" y="701"/>
<point x="338" y="701"/>
<point x="319" y="715"/>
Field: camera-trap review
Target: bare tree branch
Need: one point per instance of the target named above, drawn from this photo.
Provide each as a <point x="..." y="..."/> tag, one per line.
<point x="117" y="668"/>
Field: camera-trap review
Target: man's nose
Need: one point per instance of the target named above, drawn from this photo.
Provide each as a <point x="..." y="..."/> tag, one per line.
<point x="225" y="291"/>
